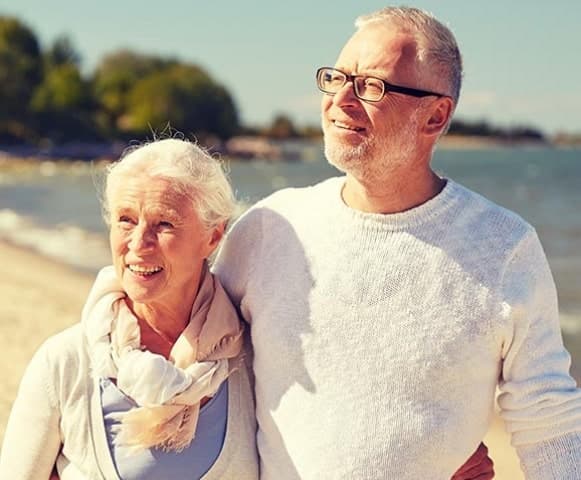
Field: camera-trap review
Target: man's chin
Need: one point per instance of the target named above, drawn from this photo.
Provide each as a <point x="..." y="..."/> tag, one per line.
<point x="346" y="158"/>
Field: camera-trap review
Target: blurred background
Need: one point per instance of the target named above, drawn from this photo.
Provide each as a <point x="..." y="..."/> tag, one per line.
<point x="80" y="82"/>
<point x="109" y="71"/>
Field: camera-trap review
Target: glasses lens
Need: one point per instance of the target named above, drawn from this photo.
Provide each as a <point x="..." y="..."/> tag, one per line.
<point x="330" y="80"/>
<point x="369" y="88"/>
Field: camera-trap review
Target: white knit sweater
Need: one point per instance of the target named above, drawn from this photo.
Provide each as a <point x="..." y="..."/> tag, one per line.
<point x="379" y="340"/>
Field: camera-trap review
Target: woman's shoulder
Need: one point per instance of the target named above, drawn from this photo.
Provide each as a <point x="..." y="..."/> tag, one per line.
<point x="57" y="366"/>
<point x="63" y="349"/>
<point x="67" y="340"/>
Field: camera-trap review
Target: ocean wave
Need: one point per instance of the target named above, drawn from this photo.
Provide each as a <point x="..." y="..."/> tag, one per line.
<point x="67" y="243"/>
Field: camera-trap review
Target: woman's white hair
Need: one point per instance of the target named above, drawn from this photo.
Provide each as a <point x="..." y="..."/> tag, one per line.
<point x="192" y="170"/>
<point x="437" y="47"/>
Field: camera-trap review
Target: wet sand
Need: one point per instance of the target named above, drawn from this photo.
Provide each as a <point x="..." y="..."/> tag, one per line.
<point x="39" y="297"/>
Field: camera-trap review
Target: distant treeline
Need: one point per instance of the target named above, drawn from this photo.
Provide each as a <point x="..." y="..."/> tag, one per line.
<point x="44" y="96"/>
<point x="484" y="129"/>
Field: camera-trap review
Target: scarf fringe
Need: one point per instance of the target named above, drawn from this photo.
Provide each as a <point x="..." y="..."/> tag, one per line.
<point x="167" y="427"/>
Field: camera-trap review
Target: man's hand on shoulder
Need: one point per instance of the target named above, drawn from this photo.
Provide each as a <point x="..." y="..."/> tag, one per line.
<point x="478" y="467"/>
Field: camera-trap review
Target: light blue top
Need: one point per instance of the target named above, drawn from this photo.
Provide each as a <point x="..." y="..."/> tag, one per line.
<point x="153" y="464"/>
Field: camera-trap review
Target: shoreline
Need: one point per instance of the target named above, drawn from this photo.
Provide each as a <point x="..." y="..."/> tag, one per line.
<point x="41" y="297"/>
<point x="19" y="161"/>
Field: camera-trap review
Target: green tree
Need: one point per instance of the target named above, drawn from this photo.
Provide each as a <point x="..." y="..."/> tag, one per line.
<point x="63" y="88"/>
<point x="114" y="78"/>
<point x="20" y="73"/>
<point x="64" y="105"/>
<point x="62" y="52"/>
<point x="184" y="96"/>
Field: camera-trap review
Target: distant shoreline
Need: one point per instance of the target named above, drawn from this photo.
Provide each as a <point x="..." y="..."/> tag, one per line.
<point x="470" y="142"/>
<point x="12" y="157"/>
<point x="474" y="142"/>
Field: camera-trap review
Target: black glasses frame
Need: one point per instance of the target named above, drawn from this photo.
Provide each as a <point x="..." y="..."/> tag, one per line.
<point x="387" y="87"/>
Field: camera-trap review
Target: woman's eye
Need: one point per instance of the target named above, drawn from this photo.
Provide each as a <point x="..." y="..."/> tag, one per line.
<point x="125" y="222"/>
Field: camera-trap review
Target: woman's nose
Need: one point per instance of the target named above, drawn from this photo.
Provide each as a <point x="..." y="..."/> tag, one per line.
<point x="142" y="238"/>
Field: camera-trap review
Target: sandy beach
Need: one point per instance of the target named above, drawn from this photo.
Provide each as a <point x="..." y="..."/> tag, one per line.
<point x="40" y="297"/>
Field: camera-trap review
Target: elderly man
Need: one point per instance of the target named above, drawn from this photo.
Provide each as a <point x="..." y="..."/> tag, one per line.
<point x="387" y="305"/>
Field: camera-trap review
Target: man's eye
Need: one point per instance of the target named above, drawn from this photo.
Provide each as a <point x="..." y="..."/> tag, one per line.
<point x="336" y="79"/>
<point x="165" y="224"/>
<point x="125" y="219"/>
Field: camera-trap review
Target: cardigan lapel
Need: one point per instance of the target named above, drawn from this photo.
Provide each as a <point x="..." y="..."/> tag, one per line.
<point x="98" y="435"/>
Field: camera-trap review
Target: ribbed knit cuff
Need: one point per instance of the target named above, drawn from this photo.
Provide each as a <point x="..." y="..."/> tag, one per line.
<point x="555" y="459"/>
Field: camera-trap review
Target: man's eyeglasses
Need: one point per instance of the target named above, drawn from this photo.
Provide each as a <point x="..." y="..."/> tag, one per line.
<point x="370" y="89"/>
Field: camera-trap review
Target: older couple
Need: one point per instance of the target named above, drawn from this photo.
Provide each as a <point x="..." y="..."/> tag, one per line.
<point x="385" y="307"/>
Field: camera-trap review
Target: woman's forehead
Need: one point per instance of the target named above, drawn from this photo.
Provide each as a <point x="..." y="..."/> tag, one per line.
<point x="156" y="193"/>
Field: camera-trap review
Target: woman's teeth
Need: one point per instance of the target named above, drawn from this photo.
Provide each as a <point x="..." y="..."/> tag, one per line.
<point x="144" y="270"/>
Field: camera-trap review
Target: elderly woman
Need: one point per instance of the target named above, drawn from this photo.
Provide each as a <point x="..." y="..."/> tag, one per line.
<point x="152" y="382"/>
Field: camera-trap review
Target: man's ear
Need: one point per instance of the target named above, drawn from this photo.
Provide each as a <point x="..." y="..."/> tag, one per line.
<point x="440" y="114"/>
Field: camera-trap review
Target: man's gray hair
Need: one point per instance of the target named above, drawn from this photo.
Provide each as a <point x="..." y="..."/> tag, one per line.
<point x="437" y="47"/>
<point x="194" y="173"/>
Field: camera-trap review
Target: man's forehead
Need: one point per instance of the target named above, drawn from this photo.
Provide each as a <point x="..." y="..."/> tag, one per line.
<point x="379" y="46"/>
<point x="379" y="40"/>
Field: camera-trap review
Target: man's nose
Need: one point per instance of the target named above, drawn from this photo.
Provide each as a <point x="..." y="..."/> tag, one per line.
<point x="346" y="95"/>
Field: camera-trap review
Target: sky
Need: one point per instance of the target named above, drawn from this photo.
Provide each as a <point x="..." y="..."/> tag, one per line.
<point x="522" y="59"/>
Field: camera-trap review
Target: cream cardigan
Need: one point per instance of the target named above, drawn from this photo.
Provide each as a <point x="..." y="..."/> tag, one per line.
<point x="59" y="403"/>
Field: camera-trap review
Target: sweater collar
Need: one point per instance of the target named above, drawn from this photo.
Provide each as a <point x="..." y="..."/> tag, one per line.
<point x="424" y="213"/>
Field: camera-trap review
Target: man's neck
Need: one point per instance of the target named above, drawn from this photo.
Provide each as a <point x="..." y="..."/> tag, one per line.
<point x="393" y="195"/>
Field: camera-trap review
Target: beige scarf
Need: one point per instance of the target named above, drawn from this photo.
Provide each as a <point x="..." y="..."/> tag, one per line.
<point x="167" y="392"/>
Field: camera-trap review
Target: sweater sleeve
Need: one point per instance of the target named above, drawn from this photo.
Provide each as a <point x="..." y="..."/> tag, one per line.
<point x="539" y="400"/>
<point x="237" y="257"/>
<point x="32" y="438"/>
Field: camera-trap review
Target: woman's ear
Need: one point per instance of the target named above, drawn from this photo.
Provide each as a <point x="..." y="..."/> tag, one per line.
<point x="440" y="114"/>
<point x="215" y="237"/>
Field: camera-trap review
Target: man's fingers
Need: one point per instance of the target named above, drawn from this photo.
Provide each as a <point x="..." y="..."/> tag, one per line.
<point x="482" y="471"/>
<point x="484" y="476"/>
<point x="478" y="467"/>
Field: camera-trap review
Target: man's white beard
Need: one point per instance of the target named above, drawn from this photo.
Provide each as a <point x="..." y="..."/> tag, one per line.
<point x="376" y="157"/>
